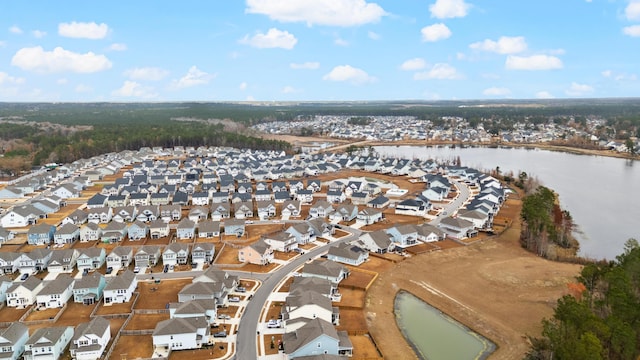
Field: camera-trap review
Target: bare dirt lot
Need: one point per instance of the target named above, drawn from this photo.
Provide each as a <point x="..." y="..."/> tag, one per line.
<point x="165" y="292"/>
<point x="215" y="351"/>
<point x="131" y="347"/>
<point x="494" y="287"/>
<point x="145" y="321"/>
<point x="364" y="348"/>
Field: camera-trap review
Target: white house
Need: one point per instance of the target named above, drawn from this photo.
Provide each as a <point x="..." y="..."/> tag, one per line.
<point x="48" y="343"/>
<point x="120" y="288"/>
<point x="23" y="294"/>
<point x="56" y="293"/>
<point x="90" y="339"/>
<point x="181" y="333"/>
<point x="12" y="340"/>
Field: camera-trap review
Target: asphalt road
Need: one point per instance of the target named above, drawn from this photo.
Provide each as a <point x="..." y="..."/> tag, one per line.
<point x="463" y="195"/>
<point x="246" y="343"/>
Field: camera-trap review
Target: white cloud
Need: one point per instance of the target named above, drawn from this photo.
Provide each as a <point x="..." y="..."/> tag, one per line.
<point x="579" y="89"/>
<point x="440" y="71"/>
<point x="3" y="43"/>
<point x="504" y="45"/>
<point x="318" y="12"/>
<point x="39" y="34"/>
<point x="243" y="86"/>
<point x="193" y="77"/>
<point x="274" y="38"/>
<point x="309" y="65"/>
<point x="349" y="74"/>
<point x="134" y="89"/>
<point x="373" y="36"/>
<point x="435" y="32"/>
<point x="632" y="11"/>
<point x="81" y="88"/>
<point x="619" y="76"/>
<point x="544" y="95"/>
<point x="82" y="30"/>
<point x="62" y="81"/>
<point x="534" y="62"/>
<point x="59" y="60"/>
<point x="15" y="30"/>
<point x="147" y="73"/>
<point x="446" y="9"/>
<point x="250" y="98"/>
<point x="289" y="90"/>
<point x="606" y="73"/>
<point x="118" y="47"/>
<point x="413" y="64"/>
<point x="6" y="79"/>
<point x="341" y="42"/>
<point x="496" y="91"/>
<point x="633" y="30"/>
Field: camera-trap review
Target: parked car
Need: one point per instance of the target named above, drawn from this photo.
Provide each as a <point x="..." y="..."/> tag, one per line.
<point x="224" y="317"/>
<point x="109" y="270"/>
<point x="241" y="289"/>
<point x="165" y="269"/>
<point x="220" y="334"/>
<point x="24" y="277"/>
<point x="136" y="269"/>
<point x="272" y="324"/>
<point x="85" y="272"/>
<point x="234" y="299"/>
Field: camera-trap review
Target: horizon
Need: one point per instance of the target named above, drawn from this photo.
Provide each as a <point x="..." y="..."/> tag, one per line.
<point x="268" y="51"/>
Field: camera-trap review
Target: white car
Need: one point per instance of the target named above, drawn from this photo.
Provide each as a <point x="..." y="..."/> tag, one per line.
<point x="272" y="324"/>
<point x="136" y="269"/>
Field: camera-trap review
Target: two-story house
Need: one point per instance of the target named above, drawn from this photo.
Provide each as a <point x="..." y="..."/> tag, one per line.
<point x="120" y="289"/>
<point x="90" y="339"/>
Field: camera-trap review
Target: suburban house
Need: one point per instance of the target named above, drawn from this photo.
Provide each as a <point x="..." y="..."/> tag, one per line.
<point x="243" y="210"/>
<point x="281" y="241"/>
<point x="120" y="257"/>
<point x="181" y="333"/>
<point x="259" y="253"/>
<point x="170" y="213"/>
<point x="120" y="288"/>
<point x="63" y="261"/>
<point x="202" y="253"/>
<point x="186" y="229"/>
<point x="348" y="254"/>
<point x="34" y="261"/>
<point x="66" y="234"/>
<point x="114" y="232"/>
<point x="266" y="209"/>
<point x="90" y="232"/>
<point x="48" y="343"/>
<point x="321" y="208"/>
<point x="9" y="262"/>
<point x="175" y="253"/>
<point x="379" y="241"/>
<point x="12" y="340"/>
<point x="403" y="235"/>
<point x="290" y="208"/>
<point x="209" y="229"/>
<point x="222" y="281"/>
<point x="56" y="293"/>
<point x="5" y="283"/>
<point x="234" y="227"/>
<point x="198" y="213"/>
<point x="328" y="269"/>
<point x="88" y="289"/>
<point x="137" y="230"/>
<point x="99" y="215"/>
<point x="480" y="220"/>
<point x="411" y="207"/>
<point x="308" y="305"/>
<point x="303" y="233"/>
<point x="457" y="228"/>
<point x="220" y="211"/>
<point x="369" y="216"/>
<point x="429" y="233"/>
<point x="90" y="339"/>
<point x="202" y="291"/>
<point x="336" y="196"/>
<point x="316" y="337"/>
<point x="194" y="308"/>
<point x="77" y="217"/>
<point x="148" y="213"/>
<point x="200" y="198"/>
<point x="322" y="286"/>
<point x="344" y="212"/>
<point x="40" y="234"/>
<point x="91" y="258"/>
<point x="23" y="294"/>
<point x="380" y="202"/>
<point x="147" y="256"/>
<point x="124" y="214"/>
<point x="158" y="229"/>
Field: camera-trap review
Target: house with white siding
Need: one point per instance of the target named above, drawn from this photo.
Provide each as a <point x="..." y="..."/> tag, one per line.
<point x="181" y="333"/>
<point x="120" y="289"/>
<point x="349" y="254"/>
<point x="202" y="253"/>
<point x="23" y="294"/>
<point x="90" y="258"/>
<point x="55" y="293"/>
<point x="12" y="340"/>
<point x="120" y="257"/>
<point x="48" y="343"/>
<point x="90" y="339"/>
<point x="176" y="254"/>
<point x="90" y="232"/>
<point x="63" y="261"/>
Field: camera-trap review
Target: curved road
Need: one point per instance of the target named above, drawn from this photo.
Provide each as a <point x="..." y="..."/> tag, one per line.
<point x="246" y="344"/>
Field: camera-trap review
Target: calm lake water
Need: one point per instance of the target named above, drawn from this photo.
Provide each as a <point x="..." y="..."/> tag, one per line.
<point x="601" y="193"/>
<point x="434" y="335"/>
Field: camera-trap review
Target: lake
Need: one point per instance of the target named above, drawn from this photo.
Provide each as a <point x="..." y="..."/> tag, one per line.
<point x="601" y="193"/>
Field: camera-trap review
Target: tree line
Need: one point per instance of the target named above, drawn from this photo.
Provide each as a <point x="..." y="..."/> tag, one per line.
<point x="600" y="319"/>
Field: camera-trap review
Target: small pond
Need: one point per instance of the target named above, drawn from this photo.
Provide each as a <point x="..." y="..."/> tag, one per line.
<point x="434" y="335"/>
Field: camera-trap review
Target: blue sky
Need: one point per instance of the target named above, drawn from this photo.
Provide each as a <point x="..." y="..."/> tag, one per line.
<point x="318" y="50"/>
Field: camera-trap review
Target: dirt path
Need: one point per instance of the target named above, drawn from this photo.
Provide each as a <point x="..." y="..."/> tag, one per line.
<point x="493" y="287"/>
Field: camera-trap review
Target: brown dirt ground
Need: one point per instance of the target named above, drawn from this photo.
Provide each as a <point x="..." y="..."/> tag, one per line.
<point x="352" y="319"/>
<point x="145" y="321"/>
<point x="364" y="348"/>
<point x="210" y="352"/>
<point x="267" y="344"/>
<point x="167" y="291"/>
<point x="43" y="314"/>
<point x="11" y="314"/>
<point x="494" y="287"/>
<point x="115" y="308"/>
<point x="358" y="279"/>
<point x="130" y="347"/>
<point x="274" y="310"/>
<point x="74" y="314"/>
<point x="351" y="297"/>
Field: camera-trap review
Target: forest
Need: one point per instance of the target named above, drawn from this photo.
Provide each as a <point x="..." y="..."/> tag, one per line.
<point x="600" y="319"/>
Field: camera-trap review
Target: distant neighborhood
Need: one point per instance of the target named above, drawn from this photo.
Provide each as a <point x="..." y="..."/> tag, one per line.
<point x="108" y="233"/>
<point x="452" y="129"/>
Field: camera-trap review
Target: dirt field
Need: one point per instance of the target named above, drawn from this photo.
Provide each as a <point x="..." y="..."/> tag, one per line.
<point x="215" y="351"/>
<point x="43" y="314"/>
<point x="145" y="321"/>
<point x="274" y="310"/>
<point x="267" y="344"/>
<point x="115" y="308"/>
<point x="351" y="297"/>
<point x="494" y="287"/>
<point x="131" y="347"/>
<point x="364" y="348"/>
<point x="167" y="291"/>
<point x="11" y="314"/>
<point x="357" y="278"/>
<point x="352" y="319"/>
<point x="75" y="313"/>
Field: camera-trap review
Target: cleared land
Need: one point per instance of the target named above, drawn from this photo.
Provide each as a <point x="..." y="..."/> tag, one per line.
<point x="493" y="286"/>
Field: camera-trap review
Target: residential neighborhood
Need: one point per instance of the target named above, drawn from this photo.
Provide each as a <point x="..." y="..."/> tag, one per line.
<point x="180" y="237"/>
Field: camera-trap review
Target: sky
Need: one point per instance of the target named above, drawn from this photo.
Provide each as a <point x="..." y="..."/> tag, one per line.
<point x="318" y="50"/>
